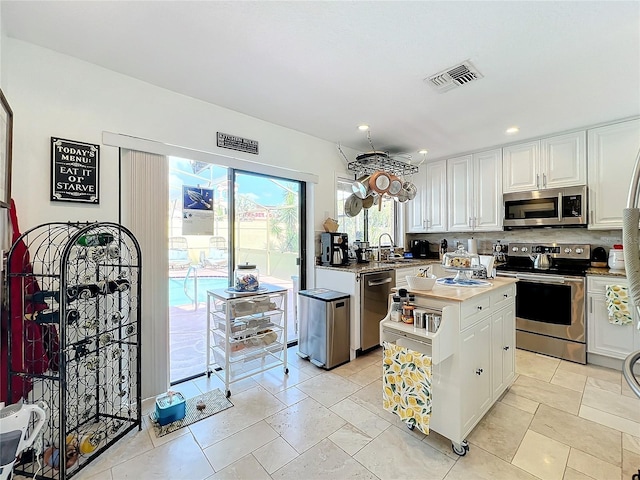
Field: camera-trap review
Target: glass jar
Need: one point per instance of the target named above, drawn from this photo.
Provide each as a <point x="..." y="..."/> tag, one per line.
<point x="246" y="278"/>
<point x="407" y="313"/>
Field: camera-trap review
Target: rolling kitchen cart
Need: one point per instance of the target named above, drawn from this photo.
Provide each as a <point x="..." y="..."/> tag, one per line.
<point x="246" y="332"/>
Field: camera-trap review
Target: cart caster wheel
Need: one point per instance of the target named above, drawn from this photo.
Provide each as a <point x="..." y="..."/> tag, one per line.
<point x="286" y="371"/>
<point x="228" y="393"/>
<point x="465" y="444"/>
<point x="461" y="451"/>
<point x="411" y="427"/>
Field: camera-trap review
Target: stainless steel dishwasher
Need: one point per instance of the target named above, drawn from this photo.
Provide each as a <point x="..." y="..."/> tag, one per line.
<point x="374" y="297"/>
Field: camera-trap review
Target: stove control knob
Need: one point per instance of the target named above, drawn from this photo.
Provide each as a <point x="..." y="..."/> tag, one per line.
<point x="579" y="250"/>
<point x="515" y="249"/>
<point x="567" y="250"/>
<point x="524" y="249"/>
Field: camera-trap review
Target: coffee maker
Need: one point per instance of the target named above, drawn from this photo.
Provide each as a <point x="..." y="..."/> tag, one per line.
<point x="334" y="248"/>
<point x="419" y="248"/>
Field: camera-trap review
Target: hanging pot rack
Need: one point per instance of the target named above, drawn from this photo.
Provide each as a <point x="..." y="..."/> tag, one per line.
<point x="370" y="162"/>
<point x="374" y="161"/>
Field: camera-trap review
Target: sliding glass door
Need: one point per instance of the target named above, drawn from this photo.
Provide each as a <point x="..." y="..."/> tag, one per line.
<point x="219" y="218"/>
<point x="267" y="233"/>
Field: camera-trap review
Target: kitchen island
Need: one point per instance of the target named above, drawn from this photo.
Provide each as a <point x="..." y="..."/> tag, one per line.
<point x="472" y="352"/>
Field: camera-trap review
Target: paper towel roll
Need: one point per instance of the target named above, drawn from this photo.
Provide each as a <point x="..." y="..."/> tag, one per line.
<point x="473" y="246"/>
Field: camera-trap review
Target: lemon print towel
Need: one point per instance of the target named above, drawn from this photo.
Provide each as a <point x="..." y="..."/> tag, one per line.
<point x="618" y="305"/>
<point x="406" y="385"/>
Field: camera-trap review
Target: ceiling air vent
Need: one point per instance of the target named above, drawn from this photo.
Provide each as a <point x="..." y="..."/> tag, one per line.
<point x="453" y="77"/>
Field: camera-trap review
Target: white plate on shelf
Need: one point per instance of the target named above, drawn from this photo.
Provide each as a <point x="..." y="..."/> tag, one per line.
<point x="244" y="292"/>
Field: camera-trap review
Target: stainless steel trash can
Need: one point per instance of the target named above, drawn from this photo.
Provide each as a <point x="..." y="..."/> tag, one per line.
<point x="324" y="334"/>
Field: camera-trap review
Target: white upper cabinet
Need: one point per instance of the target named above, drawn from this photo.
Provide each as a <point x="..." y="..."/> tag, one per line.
<point x="475" y="193"/>
<point x="520" y="167"/>
<point x="436" y="197"/>
<point x="428" y="211"/>
<point x="460" y="193"/>
<point x="558" y="161"/>
<point x="415" y="209"/>
<point x="487" y="191"/>
<point x="612" y="154"/>
<point x="563" y="160"/>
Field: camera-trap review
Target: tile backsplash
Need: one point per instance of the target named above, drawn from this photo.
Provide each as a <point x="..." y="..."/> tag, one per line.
<point x="596" y="238"/>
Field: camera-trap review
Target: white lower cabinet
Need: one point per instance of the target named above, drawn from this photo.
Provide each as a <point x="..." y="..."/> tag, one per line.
<point x="604" y="338"/>
<point x="401" y="275"/>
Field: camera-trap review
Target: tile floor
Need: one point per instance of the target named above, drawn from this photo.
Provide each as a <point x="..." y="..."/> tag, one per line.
<point x="559" y="420"/>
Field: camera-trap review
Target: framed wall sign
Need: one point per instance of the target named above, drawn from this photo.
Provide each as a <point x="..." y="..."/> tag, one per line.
<point x="75" y="171"/>
<point x="6" y="137"/>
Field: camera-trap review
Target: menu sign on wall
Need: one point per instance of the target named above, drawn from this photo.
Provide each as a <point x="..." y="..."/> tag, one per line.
<point x="74" y="171"/>
<point x="237" y="143"/>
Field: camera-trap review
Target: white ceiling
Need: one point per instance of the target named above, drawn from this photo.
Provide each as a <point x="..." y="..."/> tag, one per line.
<point x="325" y="67"/>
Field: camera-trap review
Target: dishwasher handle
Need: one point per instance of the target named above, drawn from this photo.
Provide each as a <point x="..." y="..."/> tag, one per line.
<point x="375" y="283"/>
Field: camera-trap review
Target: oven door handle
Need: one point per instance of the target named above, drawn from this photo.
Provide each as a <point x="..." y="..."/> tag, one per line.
<point x="507" y="274"/>
<point x="541" y="278"/>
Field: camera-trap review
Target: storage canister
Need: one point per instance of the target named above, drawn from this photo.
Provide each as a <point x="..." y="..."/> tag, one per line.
<point x="433" y="322"/>
<point x="419" y="319"/>
<point x="246" y="278"/>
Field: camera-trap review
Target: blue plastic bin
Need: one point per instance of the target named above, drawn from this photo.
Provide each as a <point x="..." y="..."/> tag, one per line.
<point x="170" y="408"/>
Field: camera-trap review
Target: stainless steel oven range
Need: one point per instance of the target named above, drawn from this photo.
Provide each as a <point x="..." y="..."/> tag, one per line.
<point x="550" y="297"/>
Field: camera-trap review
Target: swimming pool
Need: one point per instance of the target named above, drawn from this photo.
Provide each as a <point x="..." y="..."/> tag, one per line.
<point x="177" y="296"/>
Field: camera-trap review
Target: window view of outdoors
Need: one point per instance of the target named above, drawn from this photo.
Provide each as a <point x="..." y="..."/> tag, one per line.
<point x="378" y="219"/>
<point x="267" y="234"/>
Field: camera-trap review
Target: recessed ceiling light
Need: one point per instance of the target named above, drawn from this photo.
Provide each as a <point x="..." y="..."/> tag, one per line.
<point x="512" y="130"/>
<point x="363" y="128"/>
<point x="423" y="151"/>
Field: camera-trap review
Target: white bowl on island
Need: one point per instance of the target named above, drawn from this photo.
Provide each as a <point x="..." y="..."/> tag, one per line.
<point x="421" y="283"/>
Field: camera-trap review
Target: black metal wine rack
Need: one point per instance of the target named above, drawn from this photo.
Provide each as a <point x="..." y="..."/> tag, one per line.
<point x="79" y="285"/>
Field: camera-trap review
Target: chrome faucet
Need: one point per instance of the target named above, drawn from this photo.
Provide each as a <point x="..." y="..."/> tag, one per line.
<point x="380" y="245"/>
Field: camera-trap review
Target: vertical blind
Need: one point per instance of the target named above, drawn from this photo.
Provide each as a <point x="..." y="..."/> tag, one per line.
<point x="145" y="196"/>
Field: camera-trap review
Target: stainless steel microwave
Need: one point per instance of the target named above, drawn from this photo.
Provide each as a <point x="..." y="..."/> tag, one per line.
<point x="554" y="207"/>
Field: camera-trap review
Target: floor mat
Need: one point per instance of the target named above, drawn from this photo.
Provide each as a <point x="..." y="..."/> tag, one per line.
<point x="214" y="401"/>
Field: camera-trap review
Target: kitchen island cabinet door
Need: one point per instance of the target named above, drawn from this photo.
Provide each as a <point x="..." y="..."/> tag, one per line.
<point x="503" y="341"/>
<point x="475" y="366"/>
<point x="612" y="153"/>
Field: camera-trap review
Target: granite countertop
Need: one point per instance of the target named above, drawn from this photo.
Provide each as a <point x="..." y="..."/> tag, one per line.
<point x="359" y="268"/>
<point x="460" y="294"/>
<point x="605" y="271"/>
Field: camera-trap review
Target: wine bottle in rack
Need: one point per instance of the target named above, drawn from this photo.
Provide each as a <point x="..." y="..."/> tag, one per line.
<point x="117" y="285"/>
<point x="95" y="239"/>
<point x="82" y="292"/>
<point x="42" y="295"/>
<point x="44" y="316"/>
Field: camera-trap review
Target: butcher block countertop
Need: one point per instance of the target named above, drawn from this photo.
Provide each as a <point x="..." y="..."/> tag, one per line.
<point x="461" y="294"/>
